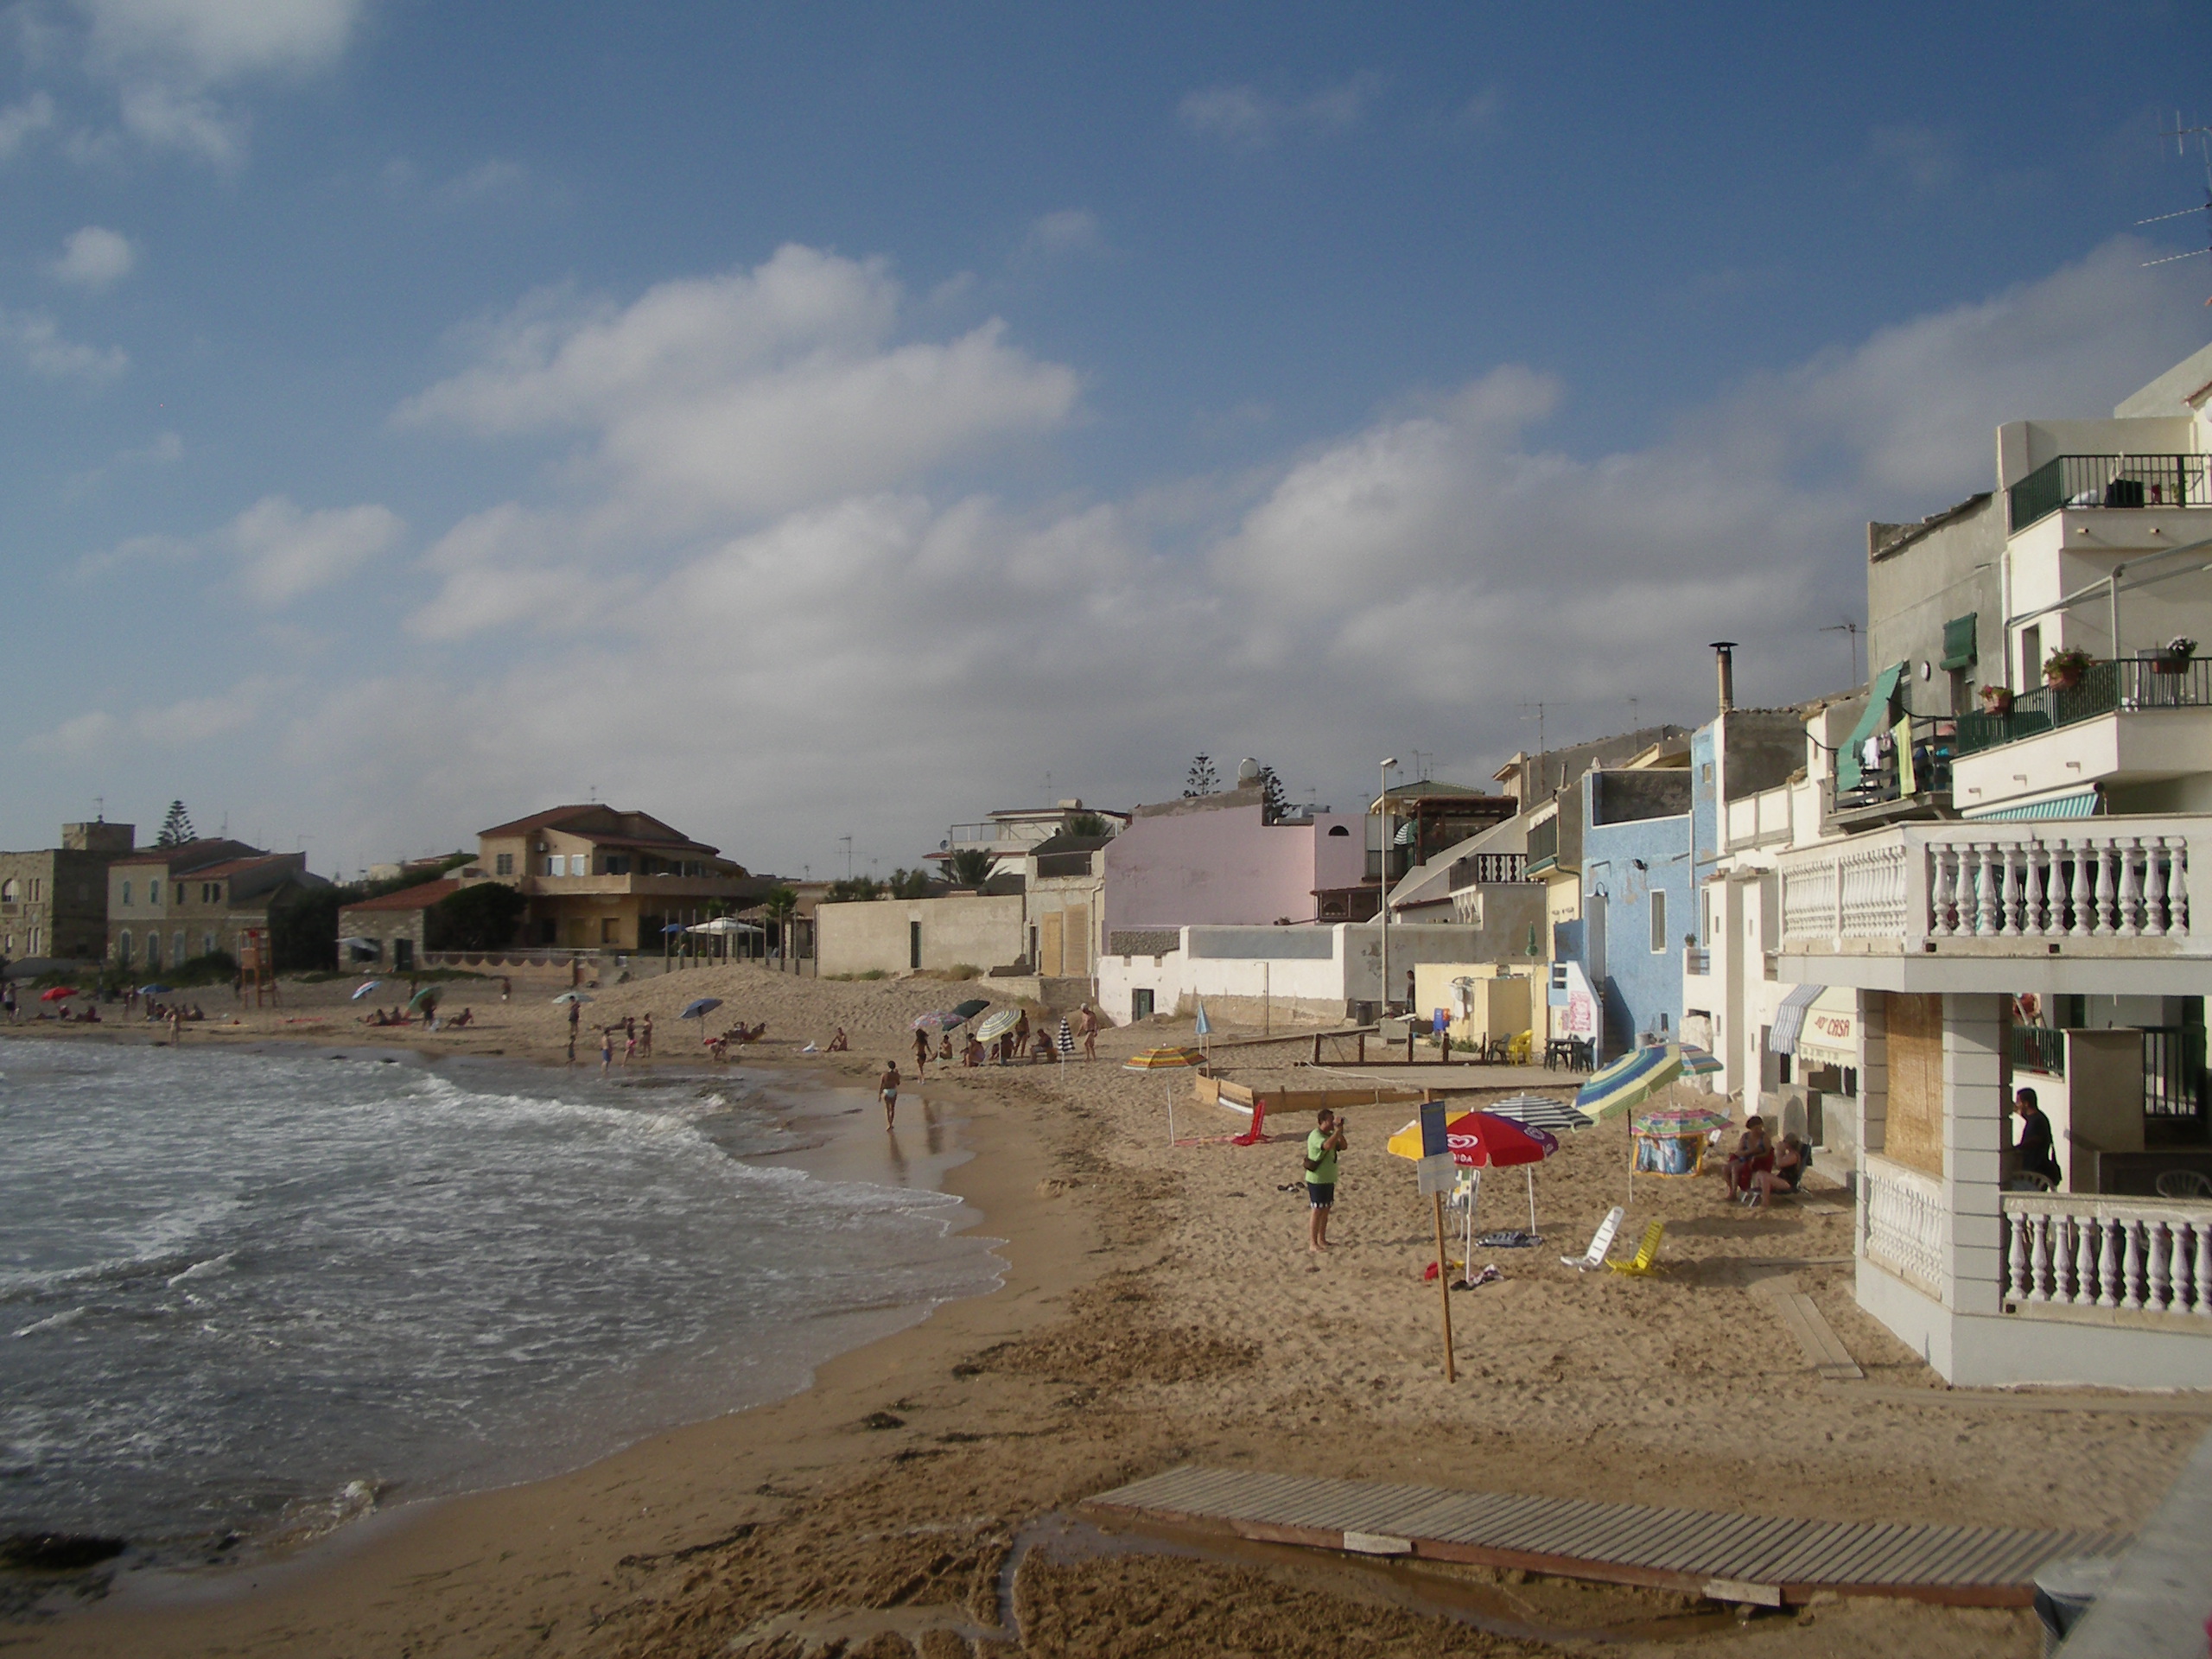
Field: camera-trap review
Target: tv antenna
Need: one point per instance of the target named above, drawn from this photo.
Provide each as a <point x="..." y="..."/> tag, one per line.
<point x="2181" y="135"/>
<point x="1851" y="628"/>
<point x="1524" y="707"/>
<point x="848" y="840"/>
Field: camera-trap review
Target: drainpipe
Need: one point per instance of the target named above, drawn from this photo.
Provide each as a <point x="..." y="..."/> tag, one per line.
<point x="2113" y="599"/>
<point x="1723" y="655"/>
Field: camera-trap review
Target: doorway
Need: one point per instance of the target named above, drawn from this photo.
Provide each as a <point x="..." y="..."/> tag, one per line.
<point x="1140" y="1005"/>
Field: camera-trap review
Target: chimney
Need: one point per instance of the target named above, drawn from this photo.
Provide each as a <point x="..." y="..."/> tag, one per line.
<point x="1723" y="655"/>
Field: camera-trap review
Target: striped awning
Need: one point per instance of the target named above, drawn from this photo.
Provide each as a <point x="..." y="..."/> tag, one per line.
<point x="1789" y="1019"/>
<point x="1829" y="1034"/>
<point x="2082" y="804"/>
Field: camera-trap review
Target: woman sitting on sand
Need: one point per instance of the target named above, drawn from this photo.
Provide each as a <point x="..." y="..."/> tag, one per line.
<point x="1789" y="1170"/>
<point x="1754" y="1154"/>
<point x="838" y="1043"/>
<point x="974" y="1054"/>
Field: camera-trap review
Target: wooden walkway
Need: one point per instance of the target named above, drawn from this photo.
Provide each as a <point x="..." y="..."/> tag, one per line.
<point x="1741" y="1558"/>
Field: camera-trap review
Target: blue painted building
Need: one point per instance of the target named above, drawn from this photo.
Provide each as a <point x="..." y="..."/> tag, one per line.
<point x="1638" y="900"/>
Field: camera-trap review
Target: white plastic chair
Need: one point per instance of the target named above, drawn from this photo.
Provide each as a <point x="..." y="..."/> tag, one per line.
<point x="1600" y="1242"/>
<point x="2184" y="1184"/>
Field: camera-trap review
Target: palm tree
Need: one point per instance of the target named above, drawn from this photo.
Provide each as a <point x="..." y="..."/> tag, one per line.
<point x="971" y="867"/>
<point x="779" y="907"/>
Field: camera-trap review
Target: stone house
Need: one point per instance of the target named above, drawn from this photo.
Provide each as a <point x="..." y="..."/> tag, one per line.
<point x="53" y="902"/>
<point x="389" y="932"/>
<point x="169" y="905"/>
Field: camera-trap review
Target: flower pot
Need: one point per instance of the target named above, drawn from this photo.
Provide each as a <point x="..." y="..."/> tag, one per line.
<point x="1996" y="701"/>
<point x="2062" y="679"/>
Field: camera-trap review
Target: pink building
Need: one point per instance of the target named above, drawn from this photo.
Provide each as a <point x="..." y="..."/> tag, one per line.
<point x="1213" y="860"/>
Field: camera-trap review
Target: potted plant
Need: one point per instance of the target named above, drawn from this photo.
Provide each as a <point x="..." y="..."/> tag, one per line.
<point x="2064" y="669"/>
<point x="1996" y="701"/>
<point x="2174" y="657"/>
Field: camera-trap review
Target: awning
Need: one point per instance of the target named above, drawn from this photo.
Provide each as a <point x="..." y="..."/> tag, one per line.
<point x="1790" y="1019"/>
<point x="1829" y="1035"/>
<point x="2081" y="803"/>
<point x="1885" y="690"/>
<point x="1959" y="642"/>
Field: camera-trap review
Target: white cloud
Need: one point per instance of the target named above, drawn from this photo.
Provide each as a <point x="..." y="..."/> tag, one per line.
<point x="94" y="257"/>
<point x="19" y="121"/>
<point x="43" y="350"/>
<point x="755" y="392"/>
<point x="1245" y="117"/>
<point x="284" y="552"/>
<point x="98" y="734"/>
<point x="77" y="738"/>
<point x="171" y="61"/>
<point x="1070" y="229"/>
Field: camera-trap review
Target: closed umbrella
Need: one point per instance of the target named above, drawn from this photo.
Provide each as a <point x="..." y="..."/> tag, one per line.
<point x="1065" y="1042"/>
<point x="1160" y="1059"/>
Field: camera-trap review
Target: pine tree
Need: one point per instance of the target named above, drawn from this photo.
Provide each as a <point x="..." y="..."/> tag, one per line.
<point x="1203" y="779"/>
<point x="177" y="829"/>
<point x="1273" y="804"/>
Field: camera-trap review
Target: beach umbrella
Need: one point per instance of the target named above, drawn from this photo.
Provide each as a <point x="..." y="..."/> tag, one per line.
<point x="428" y="995"/>
<point x="700" y="1009"/>
<point x="365" y="947"/>
<point x="937" y="1021"/>
<point x="1168" y="1060"/>
<point x="361" y="990"/>
<point x="573" y="996"/>
<point x="1679" y="1120"/>
<point x="1486" y="1140"/>
<point x="998" y="1024"/>
<point x="1065" y="1042"/>
<point x="1542" y="1112"/>
<point x="1630" y="1081"/>
<point x="58" y="993"/>
<point x="971" y="1007"/>
<point x="156" y="991"/>
<point x="1700" y="1062"/>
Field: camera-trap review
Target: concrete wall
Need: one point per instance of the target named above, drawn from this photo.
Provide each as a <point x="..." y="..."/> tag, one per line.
<point x="1313" y="972"/>
<point x="983" y="930"/>
<point x="1187" y="863"/>
<point x="1917" y="579"/>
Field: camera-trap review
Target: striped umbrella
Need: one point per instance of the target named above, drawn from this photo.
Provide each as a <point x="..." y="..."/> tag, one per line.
<point x="998" y="1024"/>
<point x="1542" y="1112"/>
<point x="1700" y="1062"/>
<point x="1065" y="1042"/>
<point x="1629" y="1080"/>
<point x="1679" y="1120"/>
<point x="937" y="1021"/>
<point x="1163" y="1061"/>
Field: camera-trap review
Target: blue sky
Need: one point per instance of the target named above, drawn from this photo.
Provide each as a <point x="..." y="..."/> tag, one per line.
<point x="805" y="421"/>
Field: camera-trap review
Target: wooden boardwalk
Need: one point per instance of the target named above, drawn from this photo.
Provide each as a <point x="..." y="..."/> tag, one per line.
<point x="1742" y="1558"/>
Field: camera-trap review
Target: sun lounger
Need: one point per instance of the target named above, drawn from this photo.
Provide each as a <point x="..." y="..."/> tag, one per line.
<point x="1600" y="1241"/>
<point x="1647" y="1251"/>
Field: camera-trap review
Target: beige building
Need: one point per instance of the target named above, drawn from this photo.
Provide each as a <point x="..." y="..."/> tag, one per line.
<point x="390" y="932"/>
<point x="53" y="902"/>
<point x="599" y="878"/>
<point x="169" y="905"/>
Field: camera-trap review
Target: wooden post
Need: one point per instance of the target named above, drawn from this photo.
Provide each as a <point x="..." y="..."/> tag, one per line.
<point x="1363" y="1049"/>
<point x="1409" y="1040"/>
<point x="1444" y="1287"/>
<point x="1316" y="1048"/>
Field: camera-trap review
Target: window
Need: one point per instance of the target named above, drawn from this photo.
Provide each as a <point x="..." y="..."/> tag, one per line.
<point x="1658" y="919"/>
<point x="153" y="951"/>
<point x="504" y="865"/>
<point x="617" y="864"/>
<point x="38" y="889"/>
<point x="154" y="891"/>
<point x="1338" y="829"/>
<point x="126" y="900"/>
<point x="207" y="944"/>
<point x="123" y="948"/>
<point x="7" y="892"/>
<point x="552" y="867"/>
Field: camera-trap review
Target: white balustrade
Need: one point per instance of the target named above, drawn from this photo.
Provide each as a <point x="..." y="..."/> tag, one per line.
<point x="2012" y="882"/>
<point x="1905" y="1223"/>
<point x="2139" y="1254"/>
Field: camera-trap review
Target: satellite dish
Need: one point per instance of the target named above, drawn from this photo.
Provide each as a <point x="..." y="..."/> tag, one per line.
<point x="1247" y="771"/>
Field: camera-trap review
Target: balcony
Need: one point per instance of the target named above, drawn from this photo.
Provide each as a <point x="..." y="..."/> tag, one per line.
<point x="2131" y="684"/>
<point x="2112" y="889"/>
<point x="1917" y="780"/>
<point x="2108" y="1261"/>
<point x="2120" y="481"/>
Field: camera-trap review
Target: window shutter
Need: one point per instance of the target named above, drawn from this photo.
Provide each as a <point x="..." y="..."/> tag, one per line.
<point x="1959" y="642"/>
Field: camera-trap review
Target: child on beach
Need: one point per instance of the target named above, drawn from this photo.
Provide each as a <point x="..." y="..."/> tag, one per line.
<point x="887" y="1089"/>
<point x="646" y="1038"/>
<point x="606" y="1051"/>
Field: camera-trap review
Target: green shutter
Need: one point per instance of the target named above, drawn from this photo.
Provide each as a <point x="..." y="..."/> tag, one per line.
<point x="1958" y="642"/>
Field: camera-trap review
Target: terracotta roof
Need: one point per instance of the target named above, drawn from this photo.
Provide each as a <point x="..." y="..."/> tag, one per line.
<point x="213" y="849"/>
<point x="416" y="898"/>
<point x="551" y="815"/>
<point x="231" y="867"/>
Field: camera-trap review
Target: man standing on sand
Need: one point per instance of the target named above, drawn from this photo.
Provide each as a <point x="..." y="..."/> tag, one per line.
<point x="1087" y="1022"/>
<point x="887" y="1089"/>
<point x="646" y="1038"/>
<point x="1322" y="1146"/>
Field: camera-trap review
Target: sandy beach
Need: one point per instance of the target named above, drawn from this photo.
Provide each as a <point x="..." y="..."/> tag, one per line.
<point x="1161" y="1307"/>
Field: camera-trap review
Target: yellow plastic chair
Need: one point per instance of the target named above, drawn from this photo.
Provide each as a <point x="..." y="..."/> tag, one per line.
<point x="1647" y="1251"/>
<point x="1517" y="1051"/>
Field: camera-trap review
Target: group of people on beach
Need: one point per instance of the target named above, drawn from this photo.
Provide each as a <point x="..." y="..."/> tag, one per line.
<point x="637" y="1040"/>
<point x="1758" y="1169"/>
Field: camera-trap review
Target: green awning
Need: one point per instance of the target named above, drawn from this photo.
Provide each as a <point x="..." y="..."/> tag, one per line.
<point x="1877" y="716"/>
<point x="1958" y="642"/>
<point x="2081" y="804"/>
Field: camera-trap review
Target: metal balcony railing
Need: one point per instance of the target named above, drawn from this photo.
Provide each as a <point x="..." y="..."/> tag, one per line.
<point x="2108" y="481"/>
<point x="2130" y="684"/>
<point x="1934" y="740"/>
<point x="2038" y="1048"/>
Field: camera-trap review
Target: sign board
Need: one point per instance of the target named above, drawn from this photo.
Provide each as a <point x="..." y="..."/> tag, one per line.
<point x="1436" y="1170"/>
<point x="1580" y="1017"/>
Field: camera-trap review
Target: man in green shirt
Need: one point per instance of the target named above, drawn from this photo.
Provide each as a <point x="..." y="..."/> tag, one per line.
<point x="1322" y="1146"/>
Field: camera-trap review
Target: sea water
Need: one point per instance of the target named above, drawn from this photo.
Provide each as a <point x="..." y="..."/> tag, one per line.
<point x="247" y="1293"/>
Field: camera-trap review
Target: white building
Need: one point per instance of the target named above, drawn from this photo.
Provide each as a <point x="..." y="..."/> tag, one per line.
<point x="2023" y="910"/>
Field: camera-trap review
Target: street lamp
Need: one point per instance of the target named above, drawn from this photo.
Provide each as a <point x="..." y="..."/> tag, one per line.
<point x="1383" y="877"/>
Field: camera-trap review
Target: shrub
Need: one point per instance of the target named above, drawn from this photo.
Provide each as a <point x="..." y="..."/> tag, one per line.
<point x="871" y="973"/>
<point x="964" y="970"/>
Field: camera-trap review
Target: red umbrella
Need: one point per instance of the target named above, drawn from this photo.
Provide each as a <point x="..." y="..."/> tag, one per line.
<point x="58" y="993"/>
<point x="1481" y="1139"/>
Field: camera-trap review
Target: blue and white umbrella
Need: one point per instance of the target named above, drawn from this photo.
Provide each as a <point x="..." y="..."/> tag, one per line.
<point x="1542" y="1112"/>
